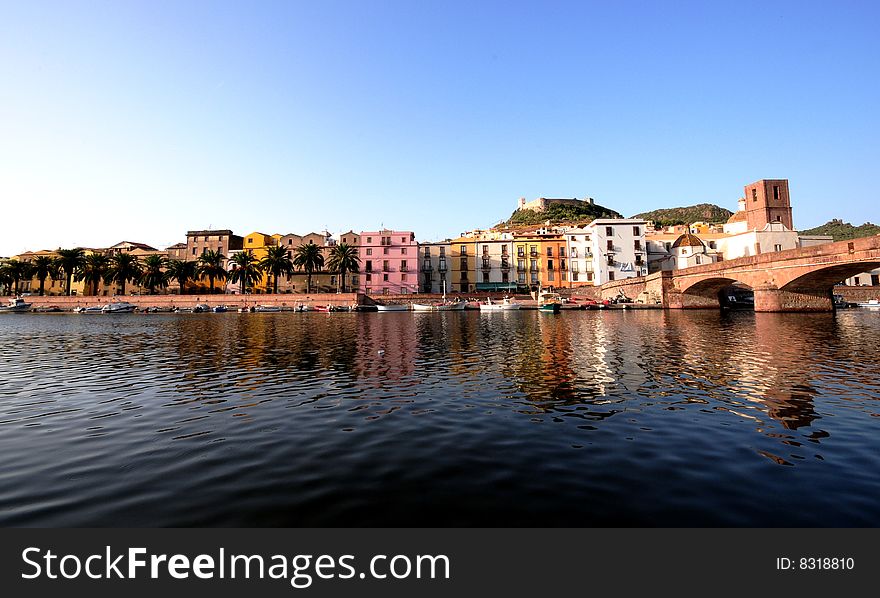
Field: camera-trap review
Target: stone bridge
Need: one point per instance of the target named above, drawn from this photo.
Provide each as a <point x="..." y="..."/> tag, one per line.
<point x="794" y="280"/>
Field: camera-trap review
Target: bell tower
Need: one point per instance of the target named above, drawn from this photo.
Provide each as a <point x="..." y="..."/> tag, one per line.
<point x="768" y="201"/>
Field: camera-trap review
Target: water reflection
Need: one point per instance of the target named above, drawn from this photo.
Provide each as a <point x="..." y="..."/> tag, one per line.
<point x="353" y="414"/>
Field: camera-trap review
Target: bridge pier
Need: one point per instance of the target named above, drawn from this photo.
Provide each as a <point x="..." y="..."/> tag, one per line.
<point x="772" y="299"/>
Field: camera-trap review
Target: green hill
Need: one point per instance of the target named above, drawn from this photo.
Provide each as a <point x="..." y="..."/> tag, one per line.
<point x="841" y="231"/>
<point x="559" y="213"/>
<point x="704" y="212"/>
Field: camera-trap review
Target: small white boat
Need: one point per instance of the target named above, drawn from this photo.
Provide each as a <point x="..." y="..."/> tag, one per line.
<point x="92" y="309"/>
<point x="17" y="305"/>
<point x="506" y="304"/>
<point x="219" y="309"/>
<point x="266" y="309"/>
<point x="200" y="308"/>
<point x="872" y="304"/>
<point x="395" y="307"/>
<point x="118" y="307"/>
<point x="246" y="309"/>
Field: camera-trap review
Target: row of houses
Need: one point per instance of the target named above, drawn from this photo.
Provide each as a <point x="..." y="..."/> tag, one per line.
<point x="506" y="259"/>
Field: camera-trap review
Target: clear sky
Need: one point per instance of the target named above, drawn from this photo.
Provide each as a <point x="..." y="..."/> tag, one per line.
<point x="140" y="120"/>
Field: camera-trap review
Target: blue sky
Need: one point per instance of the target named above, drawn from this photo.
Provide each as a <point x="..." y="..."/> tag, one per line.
<point x="138" y="121"/>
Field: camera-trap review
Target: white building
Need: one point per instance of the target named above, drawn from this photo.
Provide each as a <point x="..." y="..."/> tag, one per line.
<point x="618" y="249"/>
<point x="579" y="247"/>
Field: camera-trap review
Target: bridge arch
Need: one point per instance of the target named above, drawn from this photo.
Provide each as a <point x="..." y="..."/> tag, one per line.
<point x="824" y="279"/>
<point x="704" y="292"/>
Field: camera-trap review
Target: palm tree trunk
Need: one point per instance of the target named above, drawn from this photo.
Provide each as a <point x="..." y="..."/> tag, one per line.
<point x="123" y="288"/>
<point x="69" y="276"/>
<point x="342" y="276"/>
<point x="275" y="283"/>
<point x="42" y="284"/>
<point x="211" y="279"/>
<point x="309" y="283"/>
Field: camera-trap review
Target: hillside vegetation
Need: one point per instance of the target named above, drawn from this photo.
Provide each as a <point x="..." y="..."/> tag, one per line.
<point x="704" y="212"/>
<point x="841" y="231"/>
<point x="558" y="213"/>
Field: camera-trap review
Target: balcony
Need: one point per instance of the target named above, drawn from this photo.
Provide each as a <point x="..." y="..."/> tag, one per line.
<point x="386" y="268"/>
<point x="442" y="267"/>
<point x="505" y="266"/>
<point x="404" y="269"/>
<point x="533" y="254"/>
<point x="486" y="266"/>
<point x="520" y="268"/>
<point x="426" y="267"/>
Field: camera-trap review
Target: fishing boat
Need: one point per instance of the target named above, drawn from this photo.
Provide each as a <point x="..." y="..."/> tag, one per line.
<point x="118" y="307"/>
<point x="17" y="305"/>
<point x="549" y="302"/>
<point x="505" y="305"/>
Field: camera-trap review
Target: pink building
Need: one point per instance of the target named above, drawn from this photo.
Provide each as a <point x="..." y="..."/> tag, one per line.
<point x="389" y="262"/>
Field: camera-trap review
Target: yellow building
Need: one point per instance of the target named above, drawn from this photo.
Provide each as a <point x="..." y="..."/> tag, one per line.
<point x="256" y="244"/>
<point x="463" y="277"/>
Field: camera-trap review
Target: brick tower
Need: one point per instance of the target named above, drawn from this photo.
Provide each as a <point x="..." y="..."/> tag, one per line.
<point x="768" y="201"/>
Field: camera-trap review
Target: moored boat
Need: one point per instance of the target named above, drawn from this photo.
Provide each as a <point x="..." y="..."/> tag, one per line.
<point x="505" y="305"/>
<point x="266" y="309"/>
<point x="871" y="304"/>
<point x="17" y="305"/>
<point x="549" y="302"/>
<point x="219" y="309"/>
<point x="394" y="307"/>
<point x="118" y="307"/>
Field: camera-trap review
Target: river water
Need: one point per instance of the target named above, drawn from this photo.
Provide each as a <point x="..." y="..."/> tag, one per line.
<point x="646" y="418"/>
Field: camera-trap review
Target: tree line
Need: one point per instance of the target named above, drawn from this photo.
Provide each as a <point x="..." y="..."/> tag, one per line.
<point x="156" y="272"/>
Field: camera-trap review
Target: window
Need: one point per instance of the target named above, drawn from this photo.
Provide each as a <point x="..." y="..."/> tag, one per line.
<point x="754" y="195"/>
<point x="403" y="251"/>
<point x="589" y="277"/>
<point x="610" y="245"/>
<point x="534" y="278"/>
<point x="369" y="251"/>
<point x="549" y="252"/>
<point x="463" y="264"/>
<point x="462" y="250"/>
<point x="194" y="250"/>
<point x="485" y="249"/>
<point x="574" y="252"/>
<point x="610" y="260"/>
<point x="485" y="277"/>
<point x="562" y="264"/>
<point x="611" y="275"/>
<point x="384" y="251"/>
<point x="403" y="290"/>
<point x="427" y="252"/>
<point x="777" y="247"/>
<point x="403" y="277"/>
<point x="369" y="266"/>
<point x="402" y="239"/>
<point x="505" y="277"/>
<point x="533" y="250"/>
<point x="426" y="265"/>
<point x="698" y="260"/>
<point x="533" y="265"/>
<point x="385" y="266"/>
<point x="637" y="245"/>
<point x="574" y="266"/>
<point x="712" y="245"/>
<point x="367" y="290"/>
<point x="521" y="278"/>
<point x="775" y="191"/>
<point x="636" y="231"/>
<point x="464" y="275"/>
<point x="562" y="252"/>
<point x="521" y="265"/>
<point x="385" y="278"/>
<point x="520" y="251"/>
<point x="609" y="232"/>
<point x="206" y="239"/>
<point x="250" y="241"/>
<point x="442" y="251"/>
<point x="550" y="264"/>
<point x="856" y="281"/>
<point x="403" y="265"/>
<point x="369" y="239"/>
<point x="550" y="274"/>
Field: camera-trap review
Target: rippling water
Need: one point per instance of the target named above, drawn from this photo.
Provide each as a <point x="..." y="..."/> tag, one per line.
<point x="584" y="418"/>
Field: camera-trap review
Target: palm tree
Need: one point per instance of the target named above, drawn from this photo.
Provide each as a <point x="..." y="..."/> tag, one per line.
<point x="154" y="274"/>
<point x="276" y="263"/>
<point x="5" y="280"/>
<point x="344" y="259"/>
<point x="182" y="271"/>
<point x="246" y="270"/>
<point x="123" y="267"/>
<point x="309" y="258"/>
<point x="44" y="267"/>
<point x="93" y="270"/>
<point x="16" y="271"/>
<point x="211" y="265"/>
<point x="69" y="261"/>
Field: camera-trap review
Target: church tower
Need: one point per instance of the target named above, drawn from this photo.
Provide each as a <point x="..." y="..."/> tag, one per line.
<point x="768" y="201"/>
